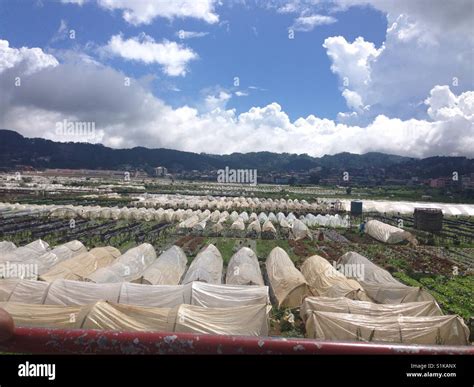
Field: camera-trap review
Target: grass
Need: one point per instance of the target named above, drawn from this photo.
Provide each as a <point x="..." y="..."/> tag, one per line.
<point x="264" y="246"/>
<point x="225" y="246"/>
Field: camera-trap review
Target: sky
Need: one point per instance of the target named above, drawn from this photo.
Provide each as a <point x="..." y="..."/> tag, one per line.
<point x="308" y="76"/>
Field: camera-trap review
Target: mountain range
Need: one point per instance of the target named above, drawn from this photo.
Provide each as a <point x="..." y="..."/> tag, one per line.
<point x="18" y="151"/>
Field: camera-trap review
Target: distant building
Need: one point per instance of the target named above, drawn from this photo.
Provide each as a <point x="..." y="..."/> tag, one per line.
<point x="161" y="171"/>
<point x="467" y="182"/>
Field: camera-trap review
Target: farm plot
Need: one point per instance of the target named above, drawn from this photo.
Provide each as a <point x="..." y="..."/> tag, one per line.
<point x="121" y="234"/>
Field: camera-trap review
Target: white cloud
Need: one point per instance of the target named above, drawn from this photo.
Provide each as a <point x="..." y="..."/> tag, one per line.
<point x="131" y="116"/>
<point x="218" y="101"/>
<point x="28" y="60"/>
<point x="308" y="22"/>
<point x="427" y="43"/>
<point x="172" y="56"/>
<point x="352" y="61"/>
<point x="61" y="33"/>
<point x="182" y="34"/>
<point x="138" y="12"/>
<point x="353" y="100"/>
<point x="444" y="105"/>
<point x="241" y="93"/>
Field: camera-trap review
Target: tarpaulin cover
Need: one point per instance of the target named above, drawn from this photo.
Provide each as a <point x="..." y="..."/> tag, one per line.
<point x="405" y="207"/>
<point x="67" y="292"/>
<point x="206" y="267"/>
<point x="268" y="227"/>
<point x="345" y="305"/>
<point x="254" y="226"/>
<point x="227" y="296"/>
<point x="159" y="296"/>
<point x="324" y="280"/>
<point x="244" y="269"/>
<point x="300" y="231"/>
<point x="379" y="284"/>
<point x="168" y="269"/>
<point x="119" y="317"/>
<point x="262" y="217"/>
<point x="23" y="291"/>
<point x="126" y="268"/>
<point x="80" y="266"/>
<point x="249" y="320"/>
<point x="43" y="316"/>
<point x="59" y="254"/>
<point x="428" y="330"/>
<point x="6" y="247"/>
<point x="385" y="232"/>
<point x="218" y="227"/>
<point x="288" y="284"/>
<point x="190" y="222"/>
<point x="238" y="225"/>
<point x="22" y="254"/>
<point x="201" y="226"/>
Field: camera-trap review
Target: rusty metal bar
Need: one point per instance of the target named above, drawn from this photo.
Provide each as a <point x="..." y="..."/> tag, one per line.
<point x="60" y="341"/>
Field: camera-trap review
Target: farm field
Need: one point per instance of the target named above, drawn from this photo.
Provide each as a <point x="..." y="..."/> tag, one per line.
<point x="442" y="264"/>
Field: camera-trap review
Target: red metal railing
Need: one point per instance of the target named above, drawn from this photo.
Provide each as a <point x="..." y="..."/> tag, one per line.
<point x="59" y="341"/>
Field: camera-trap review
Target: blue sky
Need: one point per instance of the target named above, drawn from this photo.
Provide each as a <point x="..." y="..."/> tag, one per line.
<point x="354" y="69"/>
<point x="254" y="47"/>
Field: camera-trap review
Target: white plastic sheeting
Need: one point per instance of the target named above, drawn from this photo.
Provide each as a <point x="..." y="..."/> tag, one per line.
<point x="27" y="291"/>
<point x="324" y="280"/>
<point x="288" y="284"/>
<point x="428" y="330"/>
<point x="168" y="269"/>
<point x="385" y="232"/>
<point x="126" y="268"/>
<point x="43" y="316"/>
<point x="268" y="227"/>
<point x="160" y="296"/>
<point x="67" y="292"/>
<point x="59" y="254"/>
<point x="222" y="203"/>
<point x="6" y="247"/>
<point x="217" y="228"/>
<point x="227" y="296"/>
<point x="206" y="267"/>
<point x="326" y="220"/>
<point x="22" y="254"/>
<point x="254" y="227"/>
<point x="300" y="231"/>
<point x="345" y="305"/>
<point x="249" y="320"/>
<point x="383" y="206"/>
<point x="379" y="284"/>
<point x="244" y="269"/>
<point x="189" y="223"/>
<point x="238" y="225"/>
<point x="80" y="266"/>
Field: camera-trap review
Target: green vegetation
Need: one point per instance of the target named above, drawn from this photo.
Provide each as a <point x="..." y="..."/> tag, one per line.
<point x="264" y="246"/>
<point x="453" y="294"/>
<point x="225" y="246"/>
